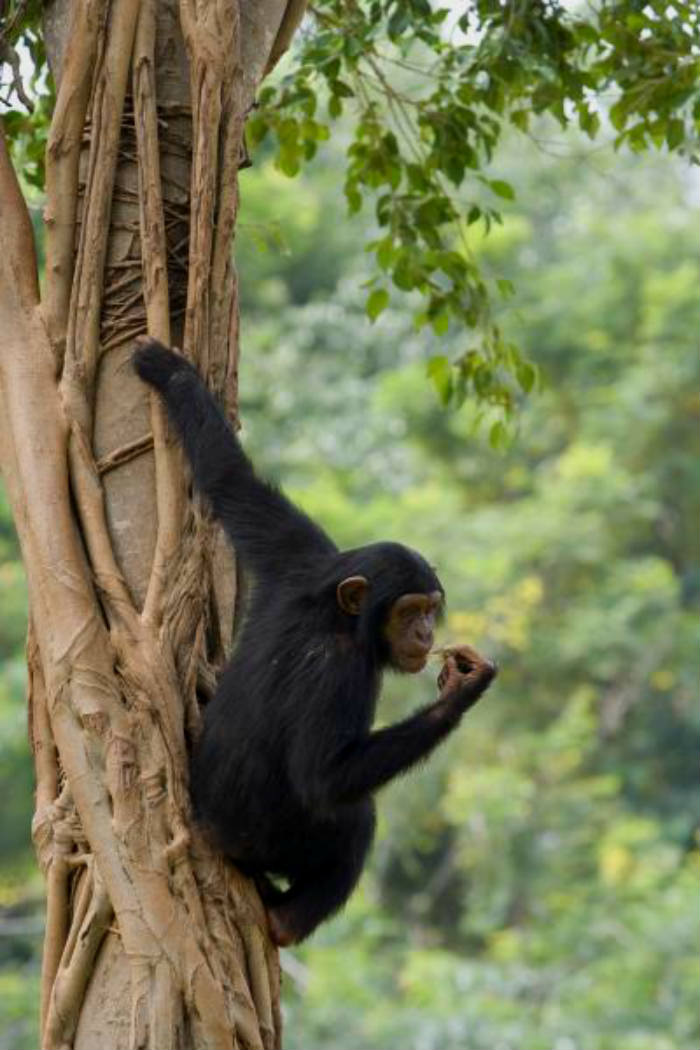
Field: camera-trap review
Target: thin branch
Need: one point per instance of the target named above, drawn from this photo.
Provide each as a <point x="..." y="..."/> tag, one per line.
<point x="107" y="106"/>
<point x="259" y="978"/>
<point x="40" y="736"/>
<point x="124" y="454"/>
<point x="14" y="21"/>
<point x="77" y="966"/>
<point x="9" y="55"/>
<point x="169" y="487"/>
<point x="222" y="278"/>
<point x="293" y="14"/>
<point x="18" y="265"/>
<point x="62" y="161"/>
<point x="57" y="902"/>
<point x="90" y="503"/>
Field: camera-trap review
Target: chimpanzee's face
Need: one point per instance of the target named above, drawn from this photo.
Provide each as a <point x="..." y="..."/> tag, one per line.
<point x="409" y="629"/>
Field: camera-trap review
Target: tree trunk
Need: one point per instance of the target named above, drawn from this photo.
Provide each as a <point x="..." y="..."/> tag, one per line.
<point x="152" y="940"/>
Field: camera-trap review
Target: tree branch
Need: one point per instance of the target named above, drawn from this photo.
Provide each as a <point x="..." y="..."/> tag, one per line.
<point x="20" y="285"/>
<point x="62" y="160"/>
<point x="90" y="504"/>
<point x="106" y="113"/>
<point x="95" y="913"/>
<point x="169" y="478"/>
<point x="57" y="900"/>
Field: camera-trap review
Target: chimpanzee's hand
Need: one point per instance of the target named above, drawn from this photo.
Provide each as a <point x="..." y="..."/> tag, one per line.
<point x="465" y="675"/>
<point x="157" y="364"/>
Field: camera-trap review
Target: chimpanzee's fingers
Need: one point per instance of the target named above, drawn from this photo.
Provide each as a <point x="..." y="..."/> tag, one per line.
<point x="449" y="670"/>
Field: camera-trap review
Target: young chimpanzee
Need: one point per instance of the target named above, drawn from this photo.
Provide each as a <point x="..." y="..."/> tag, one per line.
<point x="286" y="766"/>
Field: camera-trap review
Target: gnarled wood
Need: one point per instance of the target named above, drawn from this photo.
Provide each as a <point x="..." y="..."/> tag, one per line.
<point x="128" y="628"/>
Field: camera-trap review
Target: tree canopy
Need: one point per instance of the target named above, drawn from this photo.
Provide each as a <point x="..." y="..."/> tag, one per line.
<point x="424" y="93"/>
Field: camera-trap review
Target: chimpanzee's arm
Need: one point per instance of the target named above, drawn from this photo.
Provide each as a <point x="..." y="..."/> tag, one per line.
<point x="261" y="522"/>
<point x="367" y="764"/>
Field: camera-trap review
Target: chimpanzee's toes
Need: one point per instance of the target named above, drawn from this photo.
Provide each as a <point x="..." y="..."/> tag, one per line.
<point x="280" y="933"/>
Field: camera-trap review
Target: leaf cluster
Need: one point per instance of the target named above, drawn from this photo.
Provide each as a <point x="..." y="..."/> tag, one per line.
<point x="430" y="96"/>
<point x="425" y="93"/>
<point x="26" y="103"/>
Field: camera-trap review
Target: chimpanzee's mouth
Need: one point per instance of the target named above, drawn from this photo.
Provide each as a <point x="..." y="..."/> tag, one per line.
<point x="415" y="660"/>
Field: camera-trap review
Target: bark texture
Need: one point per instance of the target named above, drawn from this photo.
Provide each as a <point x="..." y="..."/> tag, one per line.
<point x="151" y="939"/>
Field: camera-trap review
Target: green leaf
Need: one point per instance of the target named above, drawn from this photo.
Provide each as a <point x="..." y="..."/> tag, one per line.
<point x="256" y="129"/>
<point x="385" y="252"/>
<point x="354" y="199"/>
<point x="341" y="89"/>
<point x="440" y="371"/>
<point x="520" y="118"/>
<point x="407" y="273"/>
<point x="288" y="161"/>
<point x="675" y="133"/>
<point x="398" y="22"/>
<point x="526" y="374"/>
<point x="376" y="303"/>
<point x="505" y="287"/>
<point x="618" y="115"/>
<point x="502" y="189"/>
<point x="589" y="122"/>
<point x="440" y="323"/>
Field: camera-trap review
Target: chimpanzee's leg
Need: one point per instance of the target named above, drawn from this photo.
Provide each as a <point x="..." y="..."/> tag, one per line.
<point x="322" y="890"/>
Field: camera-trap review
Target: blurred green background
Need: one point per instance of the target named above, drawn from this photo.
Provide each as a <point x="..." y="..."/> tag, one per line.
<point x="535" y="885"/>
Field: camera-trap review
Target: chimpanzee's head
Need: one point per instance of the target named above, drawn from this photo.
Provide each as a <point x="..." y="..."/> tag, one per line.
<point x="398" y="598"/>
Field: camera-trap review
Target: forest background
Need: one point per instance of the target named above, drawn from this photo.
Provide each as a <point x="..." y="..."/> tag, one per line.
<point x="534" y="886"/>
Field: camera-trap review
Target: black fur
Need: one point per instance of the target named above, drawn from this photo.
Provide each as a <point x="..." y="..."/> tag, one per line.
<point x="286" y="766"/>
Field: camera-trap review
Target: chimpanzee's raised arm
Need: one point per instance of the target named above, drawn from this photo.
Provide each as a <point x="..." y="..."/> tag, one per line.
<point x="264" y="527"/>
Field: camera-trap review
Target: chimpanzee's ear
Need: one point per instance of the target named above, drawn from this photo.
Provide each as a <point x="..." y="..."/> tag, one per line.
<point x="351" y="593"/>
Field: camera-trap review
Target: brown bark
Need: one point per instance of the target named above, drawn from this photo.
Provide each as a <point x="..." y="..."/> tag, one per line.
<point x="151" y="939"/>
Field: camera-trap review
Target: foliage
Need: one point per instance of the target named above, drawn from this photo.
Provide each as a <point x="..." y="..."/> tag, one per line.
<point x="27" y="111"/>
<point x="429" y="91"/>
<point x="430" y="95"/>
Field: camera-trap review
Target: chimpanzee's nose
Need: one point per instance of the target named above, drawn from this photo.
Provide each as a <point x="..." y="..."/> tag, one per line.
<point x="424" y="632"/>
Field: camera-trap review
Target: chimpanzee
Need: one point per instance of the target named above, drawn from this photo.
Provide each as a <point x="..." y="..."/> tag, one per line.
<point x="286" y="766"/>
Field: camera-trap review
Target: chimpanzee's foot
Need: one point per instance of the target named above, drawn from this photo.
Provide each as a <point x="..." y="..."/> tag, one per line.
<point x="281" y="932"/>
